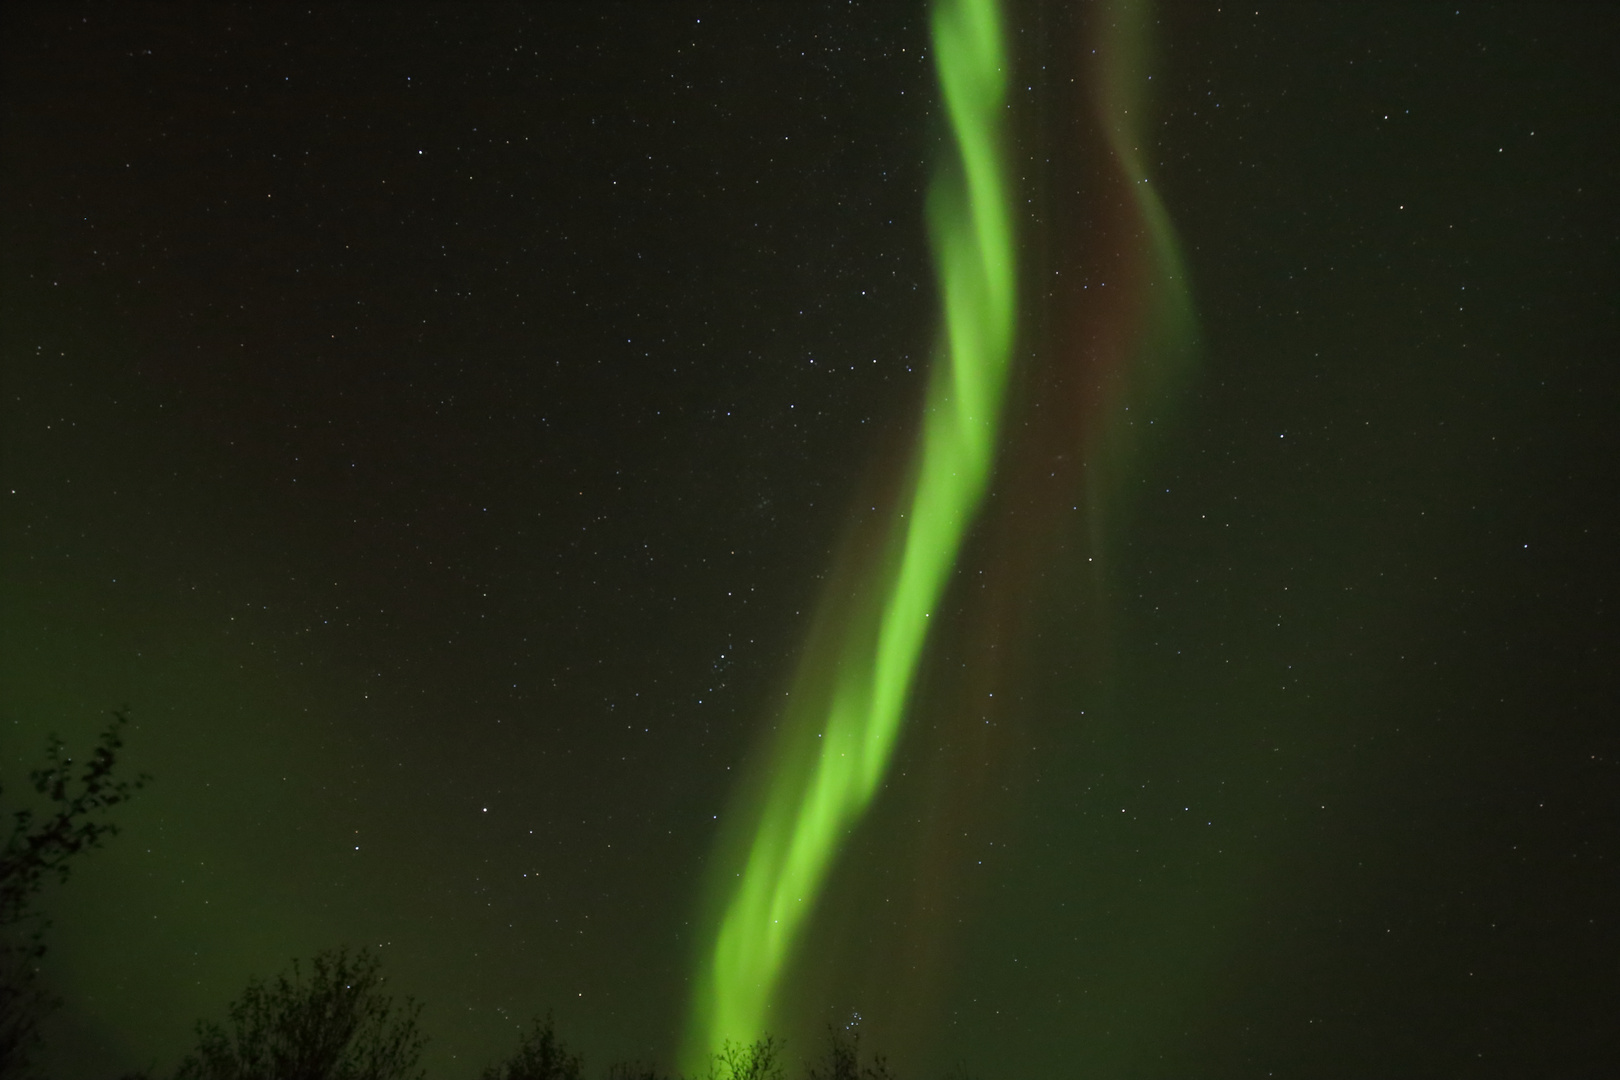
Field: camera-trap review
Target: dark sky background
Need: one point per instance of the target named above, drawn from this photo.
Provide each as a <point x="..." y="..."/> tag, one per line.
<point x="434" y="423"/>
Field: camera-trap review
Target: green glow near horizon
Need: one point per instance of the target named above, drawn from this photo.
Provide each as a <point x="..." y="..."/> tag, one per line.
<point x="827" y="767"/>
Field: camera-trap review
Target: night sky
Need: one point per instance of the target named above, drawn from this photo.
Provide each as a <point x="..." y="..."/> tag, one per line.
<point x="438" y="425"/>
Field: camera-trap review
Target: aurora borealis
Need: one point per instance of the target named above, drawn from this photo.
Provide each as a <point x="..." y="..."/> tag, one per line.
<point x="485" y="446"/>
<point x="832" y="756"/>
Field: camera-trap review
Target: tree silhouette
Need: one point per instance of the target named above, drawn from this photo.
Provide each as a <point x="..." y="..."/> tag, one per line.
<point x="334" y="1023"/>
<point x="842" y="1060"/>
<point x="540" y="1055"/>
<point x="759" y="1060"/>
<point x="43" y="845"/>
<point x="634" y="1070"/>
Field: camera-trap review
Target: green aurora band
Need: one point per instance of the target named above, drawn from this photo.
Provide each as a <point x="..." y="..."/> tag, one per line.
<point x="1165" y="351"/>
<point x="844" y="717"/>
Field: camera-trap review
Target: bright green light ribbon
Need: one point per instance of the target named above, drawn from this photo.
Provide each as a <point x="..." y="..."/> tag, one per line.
<point x="824" y="774"/>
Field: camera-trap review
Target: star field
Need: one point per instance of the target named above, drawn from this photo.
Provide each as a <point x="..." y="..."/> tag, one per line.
<point x="436" y="425"/>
